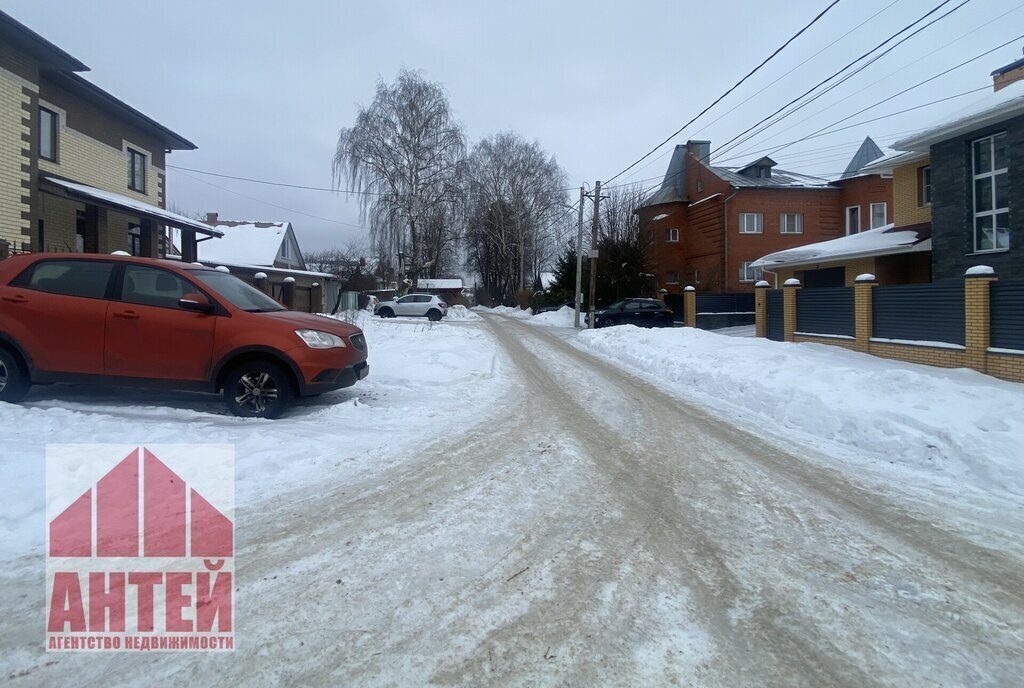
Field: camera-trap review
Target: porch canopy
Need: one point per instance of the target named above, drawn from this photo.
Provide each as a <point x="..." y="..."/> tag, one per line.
<point x="882" y="241"/>
<point x="146" y="211"/>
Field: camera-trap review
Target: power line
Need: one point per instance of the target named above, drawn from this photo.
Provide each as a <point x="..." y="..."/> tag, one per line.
<point x="731" y="89"/>
<point x="737" y="140"/>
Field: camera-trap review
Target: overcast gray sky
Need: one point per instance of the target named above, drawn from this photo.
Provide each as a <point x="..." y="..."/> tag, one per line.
<point x="263" y="87"/>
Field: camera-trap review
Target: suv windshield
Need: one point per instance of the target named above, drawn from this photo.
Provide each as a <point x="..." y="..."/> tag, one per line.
<point x="240" y="294"/>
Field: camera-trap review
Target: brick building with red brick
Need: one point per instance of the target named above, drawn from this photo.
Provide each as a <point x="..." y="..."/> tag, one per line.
<point x="707" y="223"/>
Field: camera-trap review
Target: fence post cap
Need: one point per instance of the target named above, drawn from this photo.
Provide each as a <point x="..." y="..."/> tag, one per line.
<point x="289" y="280"/>
<point x="222" y="268"/>
<point x="762" y="284"/>
<point x="791" y="282"/>
<point x="980" y="271"/>
<point x="315" y="284"/>
<point x="689" y="289"/>
<point x="660" y="291"/>
<point x="866" y="277"/>
<point x="260" y="275"/>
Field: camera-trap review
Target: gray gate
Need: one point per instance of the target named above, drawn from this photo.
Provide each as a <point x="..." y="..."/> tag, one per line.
<point x="775" y="312"/>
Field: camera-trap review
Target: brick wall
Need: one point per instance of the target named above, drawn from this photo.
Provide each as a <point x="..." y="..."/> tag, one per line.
<point x="952" y="216"/>
<point x="862" y="192"/>
<point x="907" y="207"/>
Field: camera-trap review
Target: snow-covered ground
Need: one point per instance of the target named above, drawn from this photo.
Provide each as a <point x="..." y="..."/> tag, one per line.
<point x="423" y="377"/>
<point x="955" y="429"/>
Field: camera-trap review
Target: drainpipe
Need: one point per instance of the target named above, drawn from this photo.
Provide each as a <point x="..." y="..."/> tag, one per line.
<point x="725" y="228"/>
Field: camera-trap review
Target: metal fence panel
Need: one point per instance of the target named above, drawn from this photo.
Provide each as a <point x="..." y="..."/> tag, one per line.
<point x="920" y="312"/>
<point x="1007" y="314"/>
<point x="774" y="303"/>
<point x="725" y="303"/>
<point x="825" y="311"/>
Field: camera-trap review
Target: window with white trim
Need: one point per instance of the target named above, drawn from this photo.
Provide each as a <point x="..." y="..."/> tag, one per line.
<point x="672" y="278"/>
<point x="990" y="166"/>
<point x="749" y="274"/>
<point x="791" y="223"/>
<point x="751" y="223"/>
<point x="853" y="219"/>
<point x="673" y="235"/>
<point x="924" y="186"/>
<point x="879" y="215"/>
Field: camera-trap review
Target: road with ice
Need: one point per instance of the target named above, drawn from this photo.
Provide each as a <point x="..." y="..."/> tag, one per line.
<point x="586" y="527"/>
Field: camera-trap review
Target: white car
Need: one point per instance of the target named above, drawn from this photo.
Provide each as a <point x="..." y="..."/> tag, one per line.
<point x="421" y="305"/>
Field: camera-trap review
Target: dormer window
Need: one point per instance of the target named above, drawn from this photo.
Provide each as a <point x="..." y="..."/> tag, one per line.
<point x="759" y="169"/>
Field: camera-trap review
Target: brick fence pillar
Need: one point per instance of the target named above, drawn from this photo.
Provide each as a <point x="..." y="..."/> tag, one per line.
<point x="977" y="316"/>
<point x="690" y="307"/>
<point x="761" y="308"/>
<point x="863" y="316"/>
<point x="789" y="290"/>
<point x="288" y="292"/>
<point x="260" y="281"/>
<point x="316" y="298"/>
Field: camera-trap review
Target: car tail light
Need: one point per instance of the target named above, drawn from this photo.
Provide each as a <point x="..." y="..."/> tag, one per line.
<point x="442" y="304"/>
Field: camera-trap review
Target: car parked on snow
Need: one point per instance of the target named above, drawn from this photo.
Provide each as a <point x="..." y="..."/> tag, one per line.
<point x="416" y="305"/>
<point x="639" y="312"/>
<point x="145" y="322"/>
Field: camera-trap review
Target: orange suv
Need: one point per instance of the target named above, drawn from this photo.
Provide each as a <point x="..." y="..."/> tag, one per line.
<point x="139" y="321"/>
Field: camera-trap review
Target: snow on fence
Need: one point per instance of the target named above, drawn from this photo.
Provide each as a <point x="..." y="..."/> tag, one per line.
<point x="825" y="311"/>
<point x="920" y="312"/>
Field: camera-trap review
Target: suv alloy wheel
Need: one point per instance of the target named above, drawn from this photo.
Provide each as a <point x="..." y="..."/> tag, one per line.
<point x="257" y="389"/>
<point x="13" y="384"/>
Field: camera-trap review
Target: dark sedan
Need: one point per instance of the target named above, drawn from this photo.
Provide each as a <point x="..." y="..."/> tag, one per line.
<point x="639" y="312"/>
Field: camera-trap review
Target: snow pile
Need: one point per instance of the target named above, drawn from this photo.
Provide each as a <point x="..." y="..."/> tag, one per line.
<point x="423" y="378"/>
<point x="459" y="312"/>
<point x="955" y="426"/>
<point x="563" y="317"/>
<point x="513" y="312"/>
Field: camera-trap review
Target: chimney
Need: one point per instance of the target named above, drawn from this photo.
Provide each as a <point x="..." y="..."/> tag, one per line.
<point x="700" y="150"/>
<point x="211" y="218"/>
<point x="1008" y="74"/>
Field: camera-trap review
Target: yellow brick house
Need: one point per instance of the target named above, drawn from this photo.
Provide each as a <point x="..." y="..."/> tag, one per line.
<point x="80" y="170"/>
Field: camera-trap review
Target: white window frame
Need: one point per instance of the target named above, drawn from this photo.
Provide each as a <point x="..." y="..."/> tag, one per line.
<point x="924" y="190"/>
<point x="847" y="219"/>
<point x="669" y="278"/>
<point x="673" y="235"/>
<point x="749" y="274"/>
<point x="991" y="174"/>
<point x="758" y="222"/>
<point x="55" y="131"/>
<point x="783" y="224"/>
<point x="885" y="215"/>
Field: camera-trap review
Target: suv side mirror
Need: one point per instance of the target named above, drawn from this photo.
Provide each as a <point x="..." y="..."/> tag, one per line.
<point x="195" y="302"/>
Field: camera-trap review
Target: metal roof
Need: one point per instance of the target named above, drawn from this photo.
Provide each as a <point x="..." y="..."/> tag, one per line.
<point x="867" y="152"/>
<point x="780" y="179"/>
<point x="673" y="188"/>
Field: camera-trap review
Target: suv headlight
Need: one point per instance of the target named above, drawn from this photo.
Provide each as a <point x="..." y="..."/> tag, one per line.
<point x="315" y="339"/>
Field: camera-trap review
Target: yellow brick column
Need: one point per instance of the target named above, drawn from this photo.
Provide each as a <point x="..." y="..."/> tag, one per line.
<point x="761" y="309"/>
<point x="863" y="316"/>
<point x="789" y="289"/>
<point x="977" y="321"/>
<point x="690" y="307"/>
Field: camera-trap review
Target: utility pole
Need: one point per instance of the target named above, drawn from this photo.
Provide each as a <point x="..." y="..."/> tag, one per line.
<point x="578" y="295"/>
<point x="593" y="253"/>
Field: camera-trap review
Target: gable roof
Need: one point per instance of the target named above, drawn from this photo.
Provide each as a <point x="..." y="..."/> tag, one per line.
<point x="995" y="107"/>
<point x="247" y="243"/>
<point x="761" y="162"/>
<point x="867" y="152"/>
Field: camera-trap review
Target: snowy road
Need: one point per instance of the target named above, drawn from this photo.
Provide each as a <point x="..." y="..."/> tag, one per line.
<point x="590" y="529"/>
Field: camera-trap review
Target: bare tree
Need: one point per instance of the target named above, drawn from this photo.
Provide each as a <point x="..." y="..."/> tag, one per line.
<point x="404" y="154"/>
<point x="516" y="199"/>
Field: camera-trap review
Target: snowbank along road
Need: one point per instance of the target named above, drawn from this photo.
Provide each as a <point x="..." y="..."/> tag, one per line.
<point x="591" y="529"/>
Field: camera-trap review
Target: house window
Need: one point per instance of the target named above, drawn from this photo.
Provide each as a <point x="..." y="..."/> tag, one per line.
<point x="749" y="274"/>
<point x="672" y="278"/>
<point x="136" y="170"/>
<point x="134" y="239"/>
<point x="48" y="134"/>
<point x="879" y="215"/>
<point x="673" y="235"/>
<point x="791" y="223"/>
<point x="853" y="219"/>
<point x="991" y="193"/>
<point x="700" y="185"/>
<point x="284" y="249"/>
<point x="750" y="223"/>
<point x="924" y="186"/>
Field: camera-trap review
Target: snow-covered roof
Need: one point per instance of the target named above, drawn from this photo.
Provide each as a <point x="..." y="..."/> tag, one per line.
<point x="880" y="241"/>
<point x="995" y="107"/>
<point x="890" y="161"/>
<point x="780" y="179"/>
<point x="245" y="243"/>
<point x="440" y="283"/>
<point x="285" y="271"/>
<point x="135" y="206"/>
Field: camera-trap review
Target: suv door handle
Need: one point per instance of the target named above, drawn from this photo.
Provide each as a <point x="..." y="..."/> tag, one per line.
<point x="127" y="315"/>
<point x="15" y="298"/>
